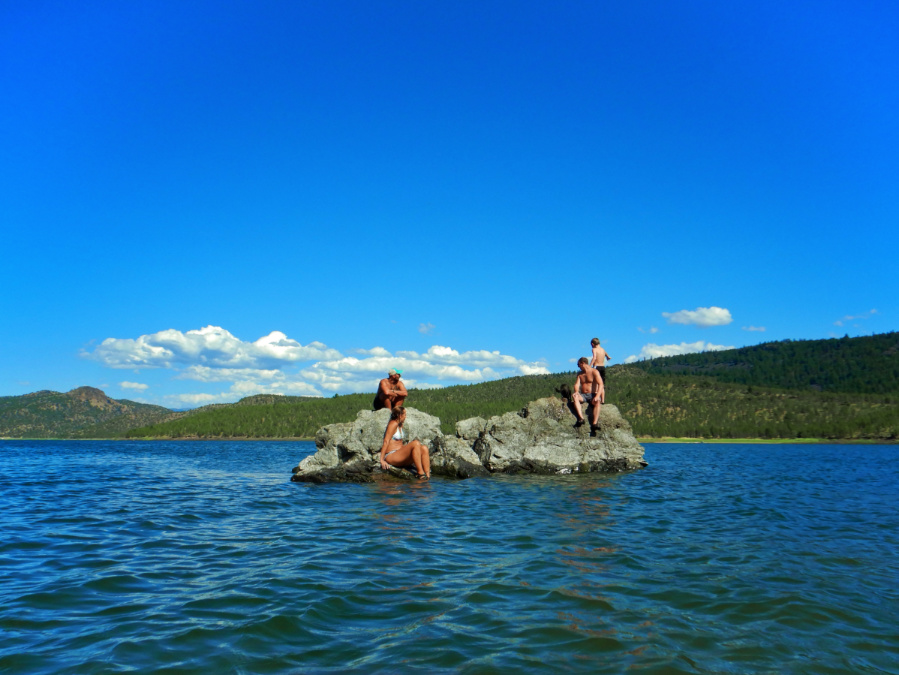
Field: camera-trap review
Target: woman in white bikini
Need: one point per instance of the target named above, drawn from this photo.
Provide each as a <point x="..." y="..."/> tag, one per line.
<point x="396" y="452"/>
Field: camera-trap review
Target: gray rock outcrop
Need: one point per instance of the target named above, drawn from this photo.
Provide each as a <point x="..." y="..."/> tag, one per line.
<point x="540" y="438"/>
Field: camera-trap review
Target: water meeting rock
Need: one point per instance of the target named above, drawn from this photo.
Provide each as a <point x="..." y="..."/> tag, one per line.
<point x="540" y="438"/>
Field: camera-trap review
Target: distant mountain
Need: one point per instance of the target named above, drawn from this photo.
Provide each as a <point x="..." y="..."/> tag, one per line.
<point x="85" y="412"/>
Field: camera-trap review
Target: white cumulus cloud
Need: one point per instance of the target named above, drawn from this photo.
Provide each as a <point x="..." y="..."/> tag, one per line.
<point x="374" y="351"/>
<point x="208" y="374"/>
<point x="277" y="364"/>
<point x="652" y="350"/>
<point x="286" y="386"/>
<point x="136" y="386"/>
<point x="701" y="316"/>
<point x="425" y="328"/>
<point x="178" y="400"/>
<point x="419" y="369"/>
<point x="209" y="346"/>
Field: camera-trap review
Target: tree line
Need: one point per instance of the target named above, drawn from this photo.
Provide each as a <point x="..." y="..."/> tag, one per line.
<point x="656" y="405"/>
<point x="861" y="365"/>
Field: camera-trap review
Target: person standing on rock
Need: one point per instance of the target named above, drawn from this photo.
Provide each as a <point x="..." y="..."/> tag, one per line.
<point x="391" y="392"/>
<point x="600" y="356"/>
<point x="396" y="452"/>
<point x="588" y="388"/>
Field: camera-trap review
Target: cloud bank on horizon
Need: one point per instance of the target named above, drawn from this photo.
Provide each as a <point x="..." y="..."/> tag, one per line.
<point x="855" y="317"/>
<point x="653" y="350"/>
<point x="277" y="364"/>
<point x="701" y="317"/>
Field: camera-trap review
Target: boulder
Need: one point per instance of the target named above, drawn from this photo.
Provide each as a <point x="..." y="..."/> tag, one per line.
<point x="453" y="457"/>
<point x="349" y="451"/>
<point x="540" y="438"/>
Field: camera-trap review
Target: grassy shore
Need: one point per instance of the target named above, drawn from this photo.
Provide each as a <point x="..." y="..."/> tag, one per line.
<point x="772" y="441"/>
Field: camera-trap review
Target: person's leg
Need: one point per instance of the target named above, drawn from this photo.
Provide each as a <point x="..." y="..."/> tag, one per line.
<point x="417" y="457"/>
<point x="426" y="460"/>
<point x="594" y="420"/>
<point x="400" y="458"/>
<point x="577" y="399"/>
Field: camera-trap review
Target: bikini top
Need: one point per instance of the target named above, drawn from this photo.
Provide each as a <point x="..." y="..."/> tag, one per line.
<point x="399" y="434"/>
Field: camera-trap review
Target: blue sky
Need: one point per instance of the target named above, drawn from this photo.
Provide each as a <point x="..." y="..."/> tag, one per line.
<point x="201" y="201"/>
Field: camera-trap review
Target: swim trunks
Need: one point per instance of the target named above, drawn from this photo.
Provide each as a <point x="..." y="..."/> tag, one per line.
<point x="602" y="372"/>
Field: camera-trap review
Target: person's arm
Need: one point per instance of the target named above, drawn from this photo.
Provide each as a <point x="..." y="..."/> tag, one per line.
<point x="383" y="388"/>
<point x="601" y="392"/>
<point x="608" y="358"/>
<point x="577" y="386"/>
<point x="401" y="389"/>
<point x="388" y="434"/>
<point x="597" y="383"/>
<point x="593" y="358"/>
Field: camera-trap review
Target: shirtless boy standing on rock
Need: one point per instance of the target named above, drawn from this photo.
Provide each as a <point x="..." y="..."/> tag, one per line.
<point x="588" y="388"/>
<point x="600" y="356"/>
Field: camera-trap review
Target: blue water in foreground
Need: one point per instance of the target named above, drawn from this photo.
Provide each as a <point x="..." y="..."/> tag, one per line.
<point x="202" y="557"/>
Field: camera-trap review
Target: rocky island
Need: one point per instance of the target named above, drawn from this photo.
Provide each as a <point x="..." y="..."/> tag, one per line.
<point x="540" y="438"/>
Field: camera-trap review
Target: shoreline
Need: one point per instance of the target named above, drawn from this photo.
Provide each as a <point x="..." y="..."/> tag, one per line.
<point x="165" y="438"/>
<point x="772" y="441"/>
<point x="640" y="439"/>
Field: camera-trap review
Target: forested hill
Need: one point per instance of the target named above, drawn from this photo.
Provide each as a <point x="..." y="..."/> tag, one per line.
<point x="862" y="365"/>
<point x="85" y="412"/>
<point x="656" y="405"/>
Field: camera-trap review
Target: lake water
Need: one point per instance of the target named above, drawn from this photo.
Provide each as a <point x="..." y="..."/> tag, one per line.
<point x="202" y="557"/>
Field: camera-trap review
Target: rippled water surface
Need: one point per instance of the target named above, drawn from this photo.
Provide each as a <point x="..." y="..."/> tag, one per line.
<point x="203" y="557"/>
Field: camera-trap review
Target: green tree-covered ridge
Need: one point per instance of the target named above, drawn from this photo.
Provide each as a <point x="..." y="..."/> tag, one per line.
<point x="85" y="412"/>
<point x="863" y="365"/>
<point x="839" y="388"/>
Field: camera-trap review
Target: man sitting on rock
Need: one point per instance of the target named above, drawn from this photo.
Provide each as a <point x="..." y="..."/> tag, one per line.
<point x="588" y="388"/>
<point x="391" y="392"/>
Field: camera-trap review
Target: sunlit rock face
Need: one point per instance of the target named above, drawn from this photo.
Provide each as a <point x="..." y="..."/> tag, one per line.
<point x="541" y="439"/>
